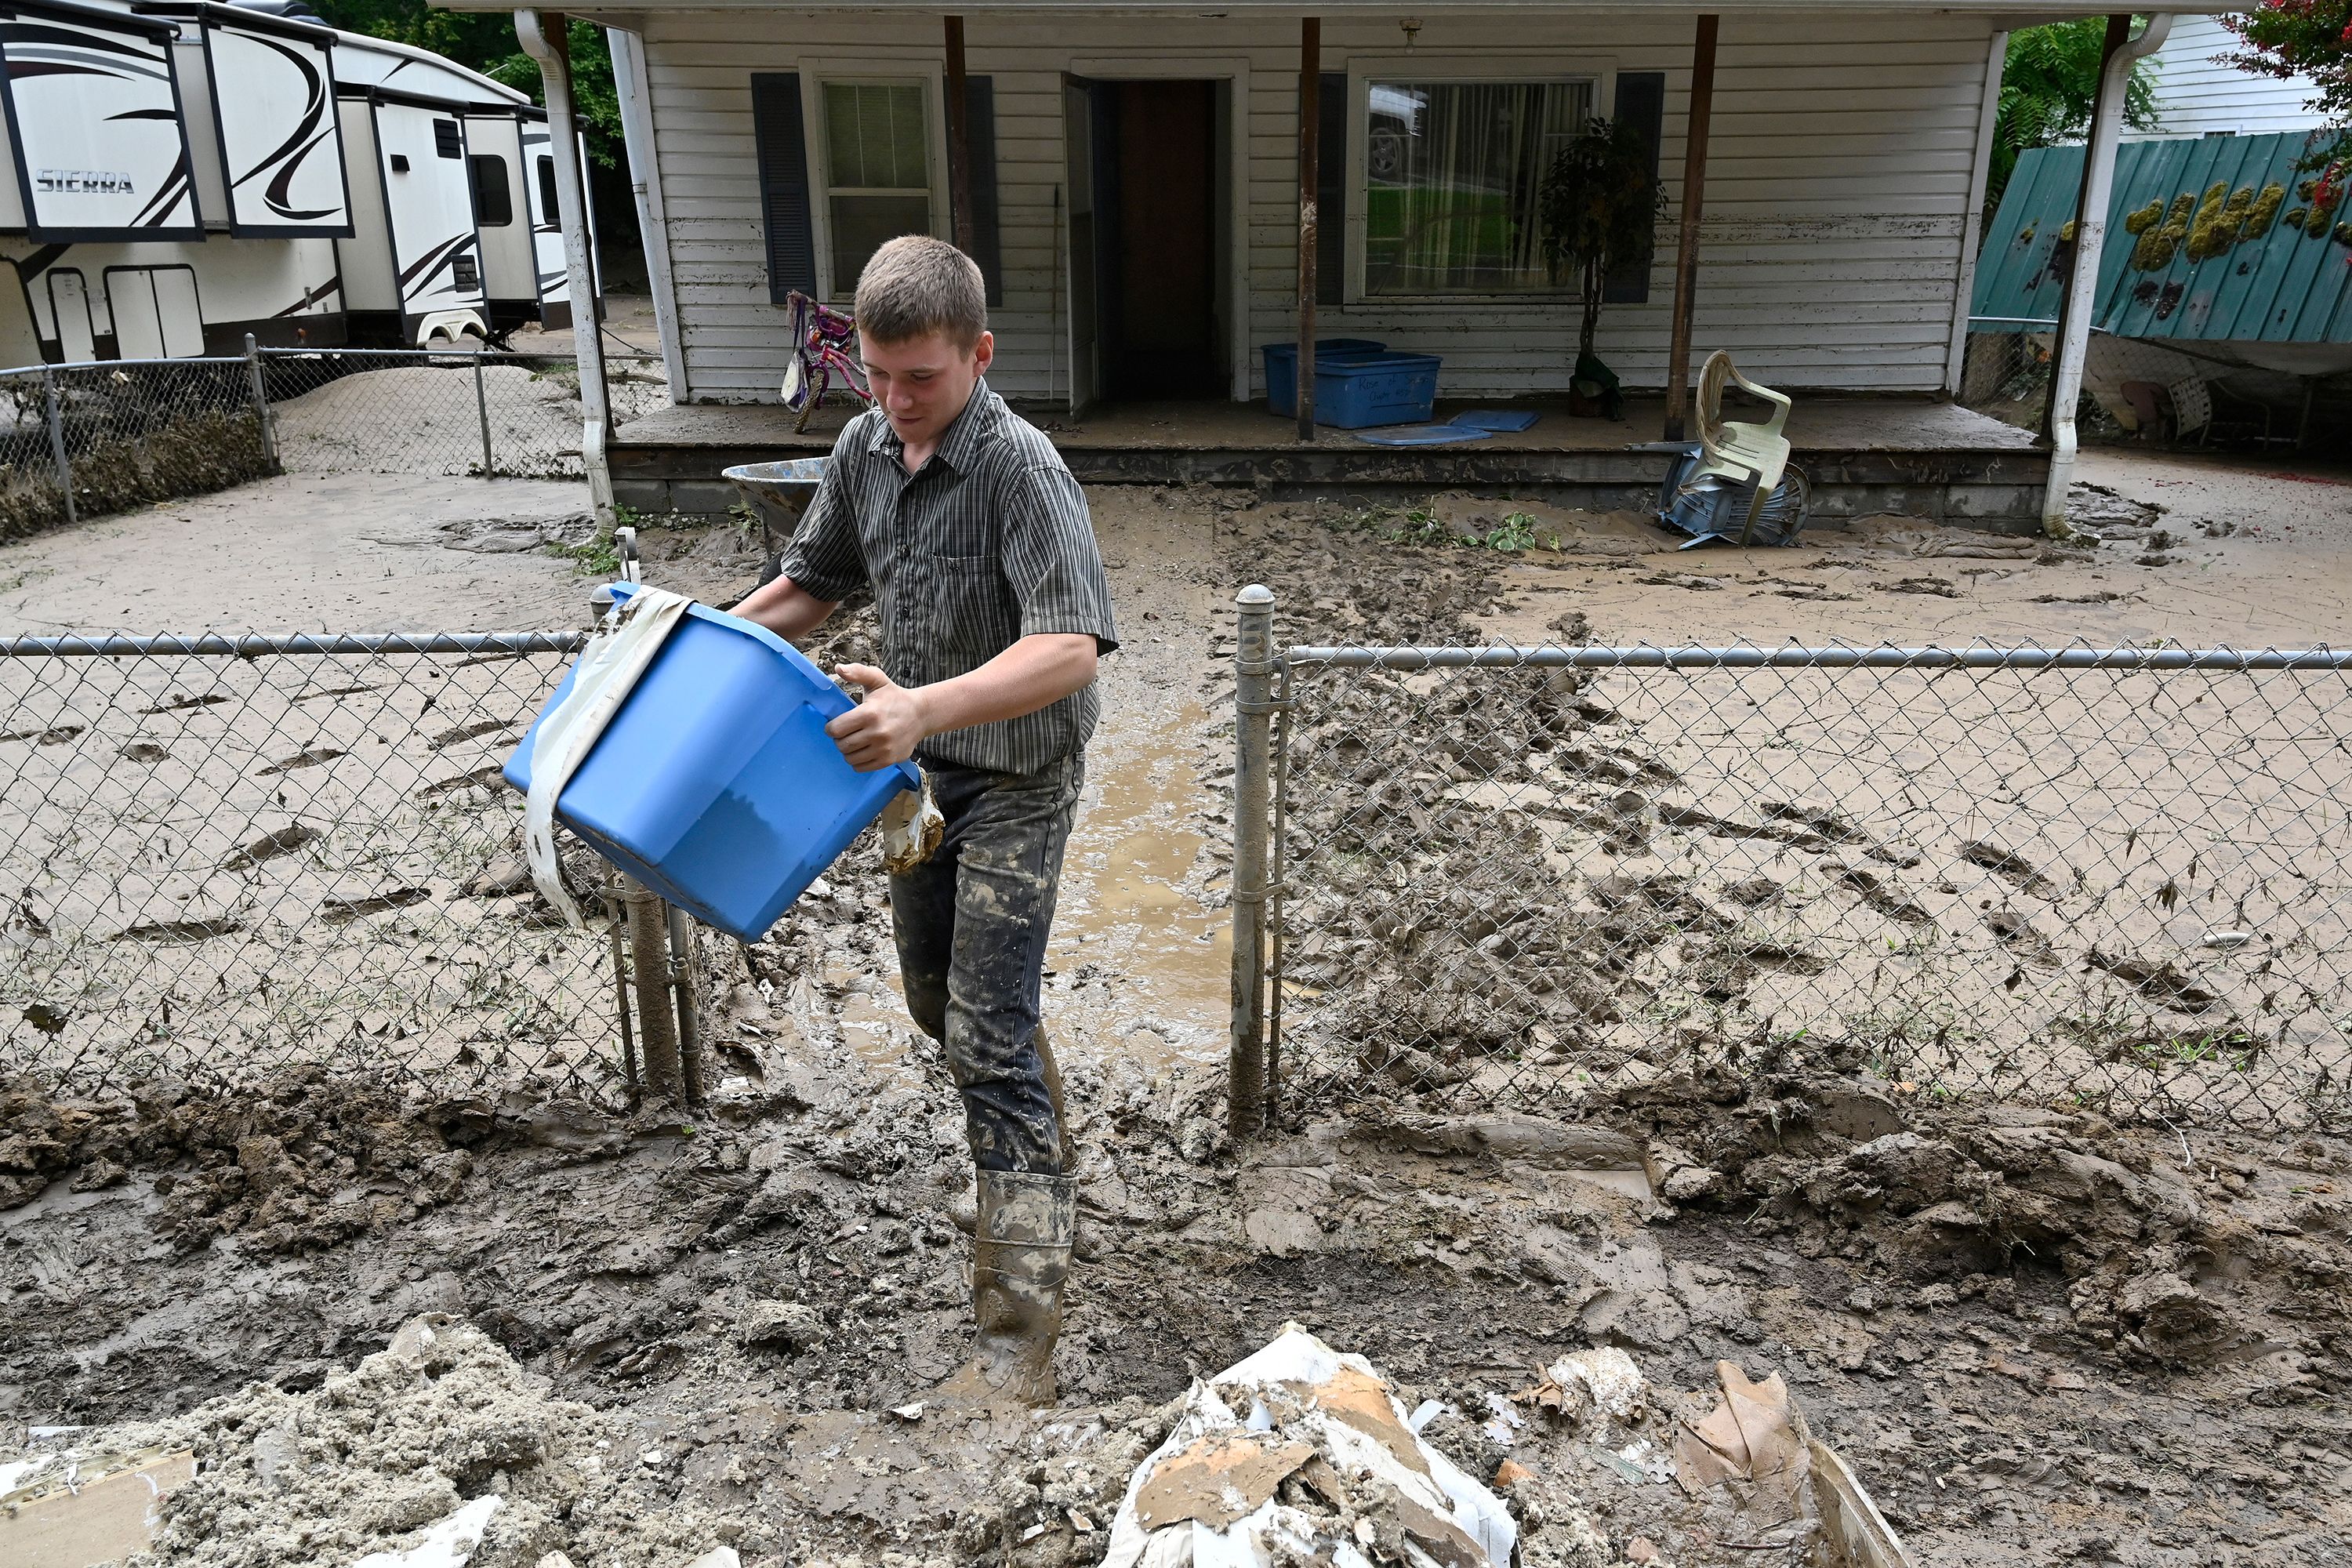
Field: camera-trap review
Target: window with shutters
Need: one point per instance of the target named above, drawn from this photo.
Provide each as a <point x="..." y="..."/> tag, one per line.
<point x="878" y="169"/>
<point x="1451" y="175"/>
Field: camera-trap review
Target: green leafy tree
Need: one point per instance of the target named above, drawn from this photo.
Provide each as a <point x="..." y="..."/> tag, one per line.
<point x="485" y="41"/>
<point x="2048" y="86"/>
<point x="2307" y="38"/>
<point x="1598" y="207"/>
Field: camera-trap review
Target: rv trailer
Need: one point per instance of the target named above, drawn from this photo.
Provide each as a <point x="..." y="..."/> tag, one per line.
<point x="182" y="172"/>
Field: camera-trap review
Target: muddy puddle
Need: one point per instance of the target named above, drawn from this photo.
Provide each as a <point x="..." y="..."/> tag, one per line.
<point x="1131" y="907"/>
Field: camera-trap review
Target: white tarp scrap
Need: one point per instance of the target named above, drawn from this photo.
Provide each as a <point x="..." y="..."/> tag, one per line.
<point x="1300" y="1451"/>
<point x="621" y="651"/>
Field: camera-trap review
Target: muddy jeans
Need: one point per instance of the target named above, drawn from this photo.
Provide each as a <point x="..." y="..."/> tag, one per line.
<point x="972" y="923"/>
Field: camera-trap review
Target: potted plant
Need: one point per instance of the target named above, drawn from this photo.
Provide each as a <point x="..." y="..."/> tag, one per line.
<point x="1598" y="207"/>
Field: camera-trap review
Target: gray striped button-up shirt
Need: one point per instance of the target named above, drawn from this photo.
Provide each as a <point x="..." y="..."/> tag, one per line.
<point x="986" y="543"/>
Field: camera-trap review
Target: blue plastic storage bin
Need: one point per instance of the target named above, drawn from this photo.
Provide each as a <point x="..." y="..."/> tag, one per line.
<point x="1282" y="365"/>
<point x="1357" y="391"/>
<point x="715" y="784"/>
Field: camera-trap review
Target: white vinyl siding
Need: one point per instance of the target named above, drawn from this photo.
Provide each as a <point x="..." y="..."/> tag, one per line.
<point x="2197" y="93"/>
<point x="1837" y="188"/>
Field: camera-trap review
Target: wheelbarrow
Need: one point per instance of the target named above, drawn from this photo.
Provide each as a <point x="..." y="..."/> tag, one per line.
<point x="778" y="494"/>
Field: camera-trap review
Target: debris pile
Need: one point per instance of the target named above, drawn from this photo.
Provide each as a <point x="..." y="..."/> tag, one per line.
<point x="439" y="1449"/>
<point x="1300" y="1453"/>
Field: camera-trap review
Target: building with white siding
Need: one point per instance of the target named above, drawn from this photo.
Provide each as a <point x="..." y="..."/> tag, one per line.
<point x="1135" y="178"/>
<point x="2198" y="92"/>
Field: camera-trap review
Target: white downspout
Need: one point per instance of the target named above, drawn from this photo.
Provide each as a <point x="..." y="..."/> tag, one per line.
<point x="572" y="208"/>
<point x="630" y="79"/>
<point x="2083" y="281"/>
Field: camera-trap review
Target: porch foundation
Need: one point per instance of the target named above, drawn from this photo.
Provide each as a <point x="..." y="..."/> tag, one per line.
<point x="1935" y="461"/>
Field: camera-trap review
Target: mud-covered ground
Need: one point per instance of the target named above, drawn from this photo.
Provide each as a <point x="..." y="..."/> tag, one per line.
<point x="2037" y="1336"/>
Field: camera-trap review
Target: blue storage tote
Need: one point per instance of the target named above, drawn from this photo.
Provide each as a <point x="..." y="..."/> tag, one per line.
<point x="1282" y="365"/>
<point x="1354" y="392"/>
<point x="715" y="784"/>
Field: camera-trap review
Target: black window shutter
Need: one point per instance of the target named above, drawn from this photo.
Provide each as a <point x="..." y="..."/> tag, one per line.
<point x="782" y="144"/>
<point x="979" y="132"/>
<point x="1332" y="189"/>
<point x="1641" y="104"/>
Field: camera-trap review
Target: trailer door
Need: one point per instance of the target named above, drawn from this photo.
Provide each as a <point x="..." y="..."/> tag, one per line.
<point x="502" y="217"/>
<point x="70" y="308"/>
<point x="436" y="253"/>
<point x="156" y="312"/>
<point x="546" y="229"/>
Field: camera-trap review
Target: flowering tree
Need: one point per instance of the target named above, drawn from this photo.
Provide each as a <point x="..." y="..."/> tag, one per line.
<point x="2308" y="38"/>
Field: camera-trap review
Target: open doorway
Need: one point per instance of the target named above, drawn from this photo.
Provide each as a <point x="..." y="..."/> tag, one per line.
<point x="1149" y="195"/>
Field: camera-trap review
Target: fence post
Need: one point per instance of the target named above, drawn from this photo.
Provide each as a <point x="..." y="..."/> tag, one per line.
<point x="649" y="968"/>
<point x="1254" y="669"/>
<point x="57" y="439"/>
<point x="261" y="404"/>
<point x="690" y="1004"/>
<point x="482" y="407"/>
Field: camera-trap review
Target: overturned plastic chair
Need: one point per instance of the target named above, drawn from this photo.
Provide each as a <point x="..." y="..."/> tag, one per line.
<point x="1735" y="482"/>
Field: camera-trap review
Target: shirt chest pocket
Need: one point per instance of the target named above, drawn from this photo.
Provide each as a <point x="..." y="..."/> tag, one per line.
<point x="971" y="606"/>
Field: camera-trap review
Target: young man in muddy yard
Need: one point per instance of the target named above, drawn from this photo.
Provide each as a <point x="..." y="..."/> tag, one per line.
<point x="994" y="612"/>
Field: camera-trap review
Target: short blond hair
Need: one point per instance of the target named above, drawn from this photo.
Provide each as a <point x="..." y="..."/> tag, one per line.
<point x="915" y="285"/>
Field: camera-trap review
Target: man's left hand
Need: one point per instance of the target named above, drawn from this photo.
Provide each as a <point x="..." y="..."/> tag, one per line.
<point x="883" y="729"/>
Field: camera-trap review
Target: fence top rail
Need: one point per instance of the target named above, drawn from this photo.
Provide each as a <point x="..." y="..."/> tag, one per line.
<point x="1506" y="657"/>
<point x="256" y="646"/>
<point x="488" y="356"/>
<point x="119" y="364"/>
<point x="492" y="356"/>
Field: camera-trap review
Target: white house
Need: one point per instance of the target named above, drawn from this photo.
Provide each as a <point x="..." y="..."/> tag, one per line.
<point x="2198" y="92"/>
<point x="1135" y="176"/>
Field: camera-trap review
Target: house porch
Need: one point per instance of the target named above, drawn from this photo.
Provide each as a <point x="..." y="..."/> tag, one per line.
<point x="1922" y="459"/>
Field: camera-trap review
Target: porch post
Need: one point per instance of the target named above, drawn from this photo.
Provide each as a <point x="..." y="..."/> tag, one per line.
<point x="959" y="138"/>
<point x="1310" y="118"/>
<point x="1702" y="111"/>
<point x="2118" y="33"/>
<point x="2076" y="306"/>
<point x="544" y="38"/>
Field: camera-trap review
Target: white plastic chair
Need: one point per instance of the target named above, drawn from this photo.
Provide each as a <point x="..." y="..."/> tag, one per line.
<point x="2193" y="409"/>
<point x="1746" y="453"/>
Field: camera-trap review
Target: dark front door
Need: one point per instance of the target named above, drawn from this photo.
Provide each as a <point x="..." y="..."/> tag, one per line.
<point x="1160" y="326"/>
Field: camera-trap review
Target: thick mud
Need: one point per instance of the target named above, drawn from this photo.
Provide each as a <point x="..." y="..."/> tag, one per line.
<point x="2038" y="1335"/>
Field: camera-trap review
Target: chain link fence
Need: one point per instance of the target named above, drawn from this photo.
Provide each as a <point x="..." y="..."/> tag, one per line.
<point x="2103" y="877"/>
<point x="86" y="439"/>
<point x="483" y="415"/>
<point x="2148" y="391"/>
<point x="82" y="441"/>
<point x="225" y="855"/>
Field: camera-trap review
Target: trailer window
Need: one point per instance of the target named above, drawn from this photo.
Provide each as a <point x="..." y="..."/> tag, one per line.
<point x="878" y="145"/>
<point x="446" y="140"/>
<point x="493" y="199"/>
<point x="548" y="206"/>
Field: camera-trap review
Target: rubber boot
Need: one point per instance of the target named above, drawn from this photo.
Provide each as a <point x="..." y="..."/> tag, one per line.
<point x="1019" y="1261"/>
